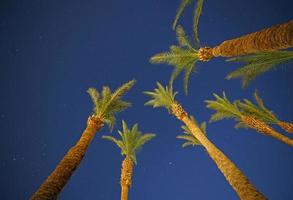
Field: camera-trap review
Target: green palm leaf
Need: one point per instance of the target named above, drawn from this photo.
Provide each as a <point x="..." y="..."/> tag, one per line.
<point x="257" y="64"/>
<point x="180" y="10"/>
<point x="224" y="108"/>
<point x="258" y="111"/>
<point x="108" y="104"/>
<point x="161" y="97"/>
<point x="131" y="140"/>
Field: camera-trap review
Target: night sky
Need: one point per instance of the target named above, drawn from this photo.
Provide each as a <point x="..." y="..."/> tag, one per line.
<point x="52" y="51"/>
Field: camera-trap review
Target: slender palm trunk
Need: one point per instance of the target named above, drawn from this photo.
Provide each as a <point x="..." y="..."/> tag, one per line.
<point x="288" y="127"/>
<point x="53" y="185"/>
<point x="126" y="177"/>
<point x="244" y="189"/>
<point x="262" y="127"/>
<point x="269" y="39"/>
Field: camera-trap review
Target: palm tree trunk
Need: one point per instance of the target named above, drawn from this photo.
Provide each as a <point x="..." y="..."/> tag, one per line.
<point x="288" y="127"/>
<point x="262" y="127"/>
<point x="244" y="189"/>
<point x="126" y="176"/>
<point x="53" y="185"/>
<point x="269" y="39"/>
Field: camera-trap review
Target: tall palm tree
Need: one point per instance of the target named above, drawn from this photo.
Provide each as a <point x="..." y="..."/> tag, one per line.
<point x="164" y="97"/>
<point x="248" y="115"/>
<point x="131" y="141"/>
<point x="105" y="107"/>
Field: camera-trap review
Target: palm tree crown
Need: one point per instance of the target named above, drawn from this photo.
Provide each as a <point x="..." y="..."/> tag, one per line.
<point x="161" y="97"/>
<point x="225" y="109"/>
<point x="131" y="140"/>
<point x="182" y="56"/>
<point x="107" y="103"/>
<point x="257" y="64"/>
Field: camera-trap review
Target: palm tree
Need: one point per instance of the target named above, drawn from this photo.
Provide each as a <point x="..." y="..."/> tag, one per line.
<point x="131" y="141"/>
<point x="105" y="107"/>
<point x="248" y="115"/>
<point x="258" y="63"/>
<point x="164" y="97"/>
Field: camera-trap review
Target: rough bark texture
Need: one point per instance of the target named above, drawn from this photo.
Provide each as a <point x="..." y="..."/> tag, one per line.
<point x="53" y="185"/>
<point x="276" y="37"/>
<point x="288" y="127"/>
<point x="126" y="174"/>
<point x="262" y="127"/>
<point x="244" y="189"/>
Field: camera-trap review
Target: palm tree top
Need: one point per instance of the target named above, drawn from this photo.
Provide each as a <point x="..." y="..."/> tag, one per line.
<point x="108" y="103"/>
<point x="182" y="57"/>
<point x="189" y="137"/>
<point x="131" y="140"/>
<point x="161" y="97"/>
<point x="225" y="109"/>
<point x="257" y="64"/>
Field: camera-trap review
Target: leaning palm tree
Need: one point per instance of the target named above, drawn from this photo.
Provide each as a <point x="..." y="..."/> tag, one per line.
<point x="131" y="141"/>
<point x="258" y="63"/>
<point x="106" y="105"/>
<point x="248" y="115"/>
<point x="165" y="97"/>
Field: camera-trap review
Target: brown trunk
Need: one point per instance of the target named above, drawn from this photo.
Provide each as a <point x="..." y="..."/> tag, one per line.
<point x="269" y="39"/>
<point x="288" y="127"/>
<point x="244" y="189"/>
<point x="125" y="179"/>
<point x="53" y="185"/>
<point x="262" y="127"/>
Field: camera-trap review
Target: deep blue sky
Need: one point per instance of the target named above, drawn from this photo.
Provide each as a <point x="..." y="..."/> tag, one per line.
<point x="52" y="51"/>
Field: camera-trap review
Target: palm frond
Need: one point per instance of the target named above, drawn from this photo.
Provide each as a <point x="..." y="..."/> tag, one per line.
<point x="257" y="64"/>
<point x="131" y="140"/>
<point x="108" y="104"/>
<point x="258" y="111"/>
<point x="161" y="97"/>
<point x="180" y="10"/>
<point x="196" y="15"/>
<point x="224" y="108"/>
<point x="188" y="136"/>
<point x="181" y="58"/>
<point x="182" y="38"/>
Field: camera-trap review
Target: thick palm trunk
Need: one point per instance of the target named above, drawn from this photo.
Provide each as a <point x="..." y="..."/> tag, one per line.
<point x="269" y="39"/>
<point x="53" y="185"/>
<point x="244" y="189"/>
<point x="288" y="127"/>
<point x="262" y="127"/>
<point x="126" y="177"/>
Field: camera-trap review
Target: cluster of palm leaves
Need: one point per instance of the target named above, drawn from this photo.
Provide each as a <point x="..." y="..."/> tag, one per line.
<point x="183" y="57"/>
